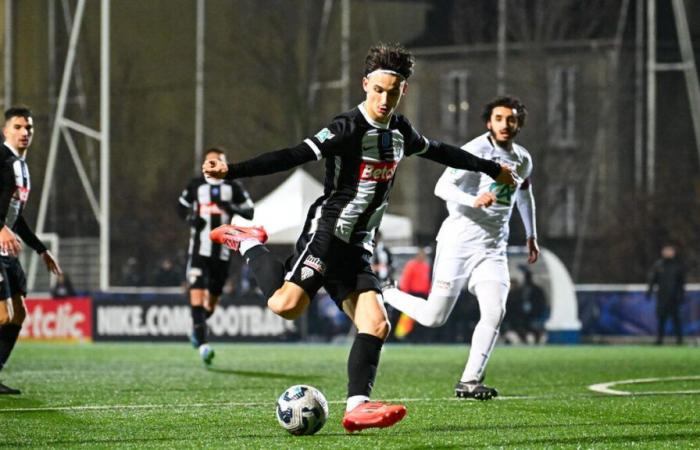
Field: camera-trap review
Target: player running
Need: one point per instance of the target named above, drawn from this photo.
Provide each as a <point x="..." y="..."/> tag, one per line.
<point x="471" y="244"/>
<point x="362" y="149"/>
<point x="207" y="203"/>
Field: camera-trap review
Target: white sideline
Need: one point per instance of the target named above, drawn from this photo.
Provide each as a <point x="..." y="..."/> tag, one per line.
<point x="231" y="404"/>
<point x="604" y="388"/>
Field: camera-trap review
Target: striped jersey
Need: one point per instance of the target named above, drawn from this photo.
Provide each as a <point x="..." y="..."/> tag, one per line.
<point x="362" y="157"/>
<point x="208" y="203"/>
<point x="14" y="185"/>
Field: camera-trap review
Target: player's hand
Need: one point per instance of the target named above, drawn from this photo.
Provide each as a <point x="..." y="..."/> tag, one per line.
<point x="51" y="263"/>
<point x="215" y="168"/>
<point x="485" y="200"/>
<point x="506" y="176"/>
<point x="533" y="250"/>
<point x="9" y="244"/>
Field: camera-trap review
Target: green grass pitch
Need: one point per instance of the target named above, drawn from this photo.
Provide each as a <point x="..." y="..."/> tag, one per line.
<point x="160" y="396"/>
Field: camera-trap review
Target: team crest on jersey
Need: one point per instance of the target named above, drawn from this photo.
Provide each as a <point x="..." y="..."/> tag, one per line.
<point x="306" y="273"/>
<point x="315" y="264"/>
<point x="324" y="135"/>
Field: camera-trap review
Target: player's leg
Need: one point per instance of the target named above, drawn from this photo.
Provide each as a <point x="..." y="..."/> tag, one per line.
<point x="12" y="311"/>
<point x="369" y="316"/>
<point x="677" y="323"/>
<point x="491" y="296"/>
<point x="662" y="316"/>
<point x="197" y="274"/>
<point x="449" y="271"/>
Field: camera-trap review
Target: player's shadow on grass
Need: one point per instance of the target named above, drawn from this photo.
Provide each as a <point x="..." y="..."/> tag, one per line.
<point x="258" y="374"/>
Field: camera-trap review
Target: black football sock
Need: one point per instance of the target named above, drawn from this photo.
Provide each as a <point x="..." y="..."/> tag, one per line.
<point x="8" y="337"/>
<point x="268" y="271"/>
<point x="362" y="364"/>
<point x="199" y="324"/>
<point x="208" y="313"/>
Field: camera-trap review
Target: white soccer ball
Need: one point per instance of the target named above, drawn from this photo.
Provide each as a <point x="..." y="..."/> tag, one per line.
<point x="302" y="409"/>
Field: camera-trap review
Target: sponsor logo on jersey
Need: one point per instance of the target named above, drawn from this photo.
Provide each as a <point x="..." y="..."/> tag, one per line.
<point x="210" y="209"/>
<point x="22" y="193"/>
<point x="377" y="171"/>
<point x="324" y="135"/>
<point x="315" y="263"/>
<point x="443" y="284"/>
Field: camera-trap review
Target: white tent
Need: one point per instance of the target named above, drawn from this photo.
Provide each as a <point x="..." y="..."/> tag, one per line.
<point x="283" y="211"/>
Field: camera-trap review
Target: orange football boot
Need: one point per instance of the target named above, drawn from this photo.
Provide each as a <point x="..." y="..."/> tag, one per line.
<point x="373" y="415"/>
<point x="232" y="235"/>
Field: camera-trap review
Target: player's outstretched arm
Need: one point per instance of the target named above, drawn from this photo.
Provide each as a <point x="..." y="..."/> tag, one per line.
<point x="459" y="159"/>
<point x="51" y="263"/>
<point x="265" y="164"/>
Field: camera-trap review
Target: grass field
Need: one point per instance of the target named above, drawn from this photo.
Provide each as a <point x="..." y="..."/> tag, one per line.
<point x="159" y="396"/>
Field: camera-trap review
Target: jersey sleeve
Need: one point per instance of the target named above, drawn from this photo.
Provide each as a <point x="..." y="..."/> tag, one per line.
<point x="330" y="140"/>
<point x="414" y="142"/>
<point x="241" y="204"/>
<point x="186" y="200"/>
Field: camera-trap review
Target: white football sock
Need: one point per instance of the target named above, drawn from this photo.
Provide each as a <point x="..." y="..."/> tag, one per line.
<point x="491" y="296"/>
<point x="247" y="244"/>
<point x="432" y="312"/>
<point x="354" y="401"/>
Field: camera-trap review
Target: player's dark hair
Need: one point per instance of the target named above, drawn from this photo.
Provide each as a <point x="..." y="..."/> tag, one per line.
<point x="217" y="150"/>
<point x="508" y="102"/>
<point x="17" y="111"/>
<point x="390" y="56"/>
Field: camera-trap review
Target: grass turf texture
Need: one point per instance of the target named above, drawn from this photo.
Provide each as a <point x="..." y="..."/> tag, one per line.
<point x="160" y="396"/>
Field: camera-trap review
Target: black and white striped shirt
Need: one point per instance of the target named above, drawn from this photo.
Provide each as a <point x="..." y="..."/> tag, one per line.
<point x="208" y="203"/>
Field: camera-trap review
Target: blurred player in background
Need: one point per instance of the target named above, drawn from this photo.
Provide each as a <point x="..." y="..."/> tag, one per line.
<point x="667" y="275"/>
<point x="362" y="148"/>
<point x="14" y="192"/>
<point x="472" y="241"/>
<point x="205" y="204"/>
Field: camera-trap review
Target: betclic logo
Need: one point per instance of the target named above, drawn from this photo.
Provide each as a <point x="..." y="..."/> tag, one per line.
<point x="378" y="171"/>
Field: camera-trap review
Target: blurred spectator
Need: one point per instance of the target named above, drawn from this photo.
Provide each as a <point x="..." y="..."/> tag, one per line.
<point x="527" y="308"/>
<point x="131" y="273"/>
<point x="63" y="287"/>
<point x="668" y="275"/>
<point x="415" y="280"/>
<point x="167" y="274"/>
<point x="382" y="262"/>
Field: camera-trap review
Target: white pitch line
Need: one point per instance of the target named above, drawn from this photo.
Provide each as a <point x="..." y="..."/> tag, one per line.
<point x="604" y="388"/>
<point x="227" y="405"/>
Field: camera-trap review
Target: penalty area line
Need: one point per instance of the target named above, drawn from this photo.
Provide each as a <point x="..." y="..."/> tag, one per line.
<point x="79" y="408"/>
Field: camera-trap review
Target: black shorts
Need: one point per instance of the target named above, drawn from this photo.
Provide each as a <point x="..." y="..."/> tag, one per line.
<point x="14" y="281"/>
<point x="321" y="259"/>
<point x="204" y="272"/>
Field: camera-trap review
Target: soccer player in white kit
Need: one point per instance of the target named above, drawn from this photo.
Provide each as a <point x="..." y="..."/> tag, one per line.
<point x="472" y="241"/>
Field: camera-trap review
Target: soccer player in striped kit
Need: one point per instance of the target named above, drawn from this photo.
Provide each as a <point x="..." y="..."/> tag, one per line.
<point x="14" y="192"/>
<point x="205" y="204"/>
<point x="362" y="149"/>
<point x="471" y="244"/>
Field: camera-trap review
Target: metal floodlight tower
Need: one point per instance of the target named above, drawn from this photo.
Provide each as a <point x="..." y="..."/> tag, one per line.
<point x="62" y="127"/>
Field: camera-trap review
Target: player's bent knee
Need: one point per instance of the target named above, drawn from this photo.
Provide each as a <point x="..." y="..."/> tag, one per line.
<point x="379" y="328"/>
<point x="433" y="321"/>
<point x="286" y="307"/>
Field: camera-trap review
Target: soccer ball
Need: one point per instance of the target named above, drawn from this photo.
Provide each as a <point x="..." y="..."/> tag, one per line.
<point x="302" y="409"/>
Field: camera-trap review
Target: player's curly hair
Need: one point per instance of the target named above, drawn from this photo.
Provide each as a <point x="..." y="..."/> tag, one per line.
<point x="508" y="102"/>
<point x="390" y="56"/>
<point x="17" y="111"/>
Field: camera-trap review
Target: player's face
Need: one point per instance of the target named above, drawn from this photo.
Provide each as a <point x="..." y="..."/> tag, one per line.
<point x="503" y="124"/>
<point x="384" y="92"/>
<point x="215" y="156"/>
<point x="18" y="132"/>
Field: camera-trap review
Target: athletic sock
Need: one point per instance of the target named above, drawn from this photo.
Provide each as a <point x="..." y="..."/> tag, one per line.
<point x="199" y="324"/>
<point x="483" y="341"/>
<point x="354" y="401"/>
<point x="268" y="271"/>
<point x="247" y="244"/>
<point x="362" y="364"/>
<point x="8" y="337"/>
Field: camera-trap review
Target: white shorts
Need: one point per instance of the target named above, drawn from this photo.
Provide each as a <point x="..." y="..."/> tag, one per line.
<point x="457" y="266"/>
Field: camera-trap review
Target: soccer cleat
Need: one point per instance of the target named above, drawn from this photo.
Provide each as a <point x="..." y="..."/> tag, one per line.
<point x="373" y="415"/>
<point x="232" y="235"/>
<point x="474" y="390"/>
<point x="207" y="353"/>
<point x="7" y="390"/>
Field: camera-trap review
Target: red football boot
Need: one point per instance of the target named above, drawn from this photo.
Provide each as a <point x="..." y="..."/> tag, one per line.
<point x="232" y="235"/>
<point x="373" y="415"/>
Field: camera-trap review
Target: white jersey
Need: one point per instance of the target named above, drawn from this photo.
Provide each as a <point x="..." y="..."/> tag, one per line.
<point x="483" y="227"/>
